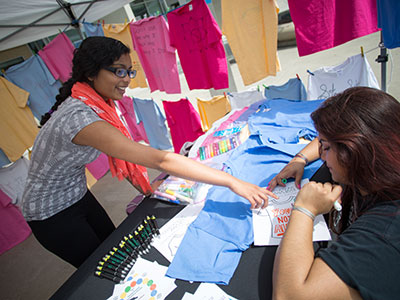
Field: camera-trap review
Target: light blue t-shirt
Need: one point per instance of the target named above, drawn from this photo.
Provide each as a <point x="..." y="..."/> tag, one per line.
<point x="33" y="76"/>
<point x="212" y="246"/>
<point x="148" y="112"/>
<point x="92" y="29"/>
<point x="293" y="90"/>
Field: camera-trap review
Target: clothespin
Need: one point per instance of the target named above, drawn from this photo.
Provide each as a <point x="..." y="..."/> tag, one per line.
<point x="103" y="22"/>
<point x="98" y="22"/>
<point x="267" y="87"/>
<point x="258" y="88"/>
<point x="125" y="21"/>
<point x="225" y="95"/>
<point x="362" y="51"/>
<point x="298" y="77"/>
<point x="59" y="30"/>
<point x="309" y="72"/>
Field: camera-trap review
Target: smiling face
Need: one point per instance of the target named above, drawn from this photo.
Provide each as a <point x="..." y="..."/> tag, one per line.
<point x="329" y="155"/>
<point x="110" y="86"/>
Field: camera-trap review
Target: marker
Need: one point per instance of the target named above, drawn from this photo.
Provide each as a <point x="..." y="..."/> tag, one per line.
<point x="107" y="276"/>
<point x="179" y="196"/>
<point x="337" y="206"/>
<point x="153" y="219"/>
<point x="170" y="198"/>
<point x="111" y="271"/>
<point x="110" y="264"/>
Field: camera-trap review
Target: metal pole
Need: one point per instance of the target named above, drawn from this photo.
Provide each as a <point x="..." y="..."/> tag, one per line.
<point x="382" y="59"/>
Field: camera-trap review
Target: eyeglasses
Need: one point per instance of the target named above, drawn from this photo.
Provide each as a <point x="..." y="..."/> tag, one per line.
<point x="121" y="73"/>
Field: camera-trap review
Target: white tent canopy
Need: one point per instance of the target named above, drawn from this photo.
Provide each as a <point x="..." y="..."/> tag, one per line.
<point x="24" y="21"/>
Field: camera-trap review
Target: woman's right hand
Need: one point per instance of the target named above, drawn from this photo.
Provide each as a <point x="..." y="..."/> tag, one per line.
<point x="294" y="169"/>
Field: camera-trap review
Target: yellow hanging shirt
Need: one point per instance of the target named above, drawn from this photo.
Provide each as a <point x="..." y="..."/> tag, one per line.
<point x="18" y="126"/>
<point x="251" y="28"/>
<point x="212" y="110"/>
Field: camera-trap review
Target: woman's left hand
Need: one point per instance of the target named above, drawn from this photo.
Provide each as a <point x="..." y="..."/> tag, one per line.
<point x="257" y="196"/>
<point x="318" y="197"/>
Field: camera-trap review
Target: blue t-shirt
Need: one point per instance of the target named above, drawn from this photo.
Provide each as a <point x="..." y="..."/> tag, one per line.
<point x="389" y="22"/>
<point x="33" y="76"/>
<point x="92" y="29"/>
<point x="293" y="90"/>
<point x="148" y="112"/>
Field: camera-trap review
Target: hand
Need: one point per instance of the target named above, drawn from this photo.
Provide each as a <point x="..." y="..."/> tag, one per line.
<point x="294" y="169"/>
<point x="257" y="196"/>
<point x="318" y="197"/>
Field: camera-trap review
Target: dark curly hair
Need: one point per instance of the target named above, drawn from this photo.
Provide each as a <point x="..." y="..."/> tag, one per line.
<point x="94" y="54"/>
<point x="362" y="124"/>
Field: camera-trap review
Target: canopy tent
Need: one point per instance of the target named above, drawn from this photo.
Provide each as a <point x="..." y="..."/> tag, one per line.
<point x="22" y="22"/>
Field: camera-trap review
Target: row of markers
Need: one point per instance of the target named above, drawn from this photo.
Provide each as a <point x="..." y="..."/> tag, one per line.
<point x="116" y="264"/>
<point x="217" y="148"/>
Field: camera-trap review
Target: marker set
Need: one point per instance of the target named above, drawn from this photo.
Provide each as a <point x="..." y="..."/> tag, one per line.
<point x="217" y="148"/>
<point x="177" y="190"/>
<point x="116" y="264"/>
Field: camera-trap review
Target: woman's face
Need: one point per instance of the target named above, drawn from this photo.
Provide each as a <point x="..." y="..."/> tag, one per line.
<point x="110" y="86"/>
<point x="329" y="155"/>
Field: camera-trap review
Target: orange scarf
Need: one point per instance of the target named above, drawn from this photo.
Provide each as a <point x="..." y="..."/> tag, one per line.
<point x="106" y="111"/>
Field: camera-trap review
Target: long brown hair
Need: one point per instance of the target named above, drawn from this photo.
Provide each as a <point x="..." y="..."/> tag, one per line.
<point x="363" y="124"/>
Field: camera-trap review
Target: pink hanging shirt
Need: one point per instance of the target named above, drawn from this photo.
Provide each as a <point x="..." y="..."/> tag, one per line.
<point x="57" y="55"/>
<point x="183" y="121"/>
<point x="195" y="34"/>
<point x="324" y="24"/>
<point x="151" y="41"/>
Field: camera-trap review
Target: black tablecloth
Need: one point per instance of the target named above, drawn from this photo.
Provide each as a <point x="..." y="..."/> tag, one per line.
<point x="251" y="280"/>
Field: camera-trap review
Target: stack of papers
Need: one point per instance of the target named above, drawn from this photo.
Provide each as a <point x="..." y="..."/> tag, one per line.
<point x="208" y="291"/>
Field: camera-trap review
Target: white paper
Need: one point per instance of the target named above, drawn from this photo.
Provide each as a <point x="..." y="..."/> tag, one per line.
<point x="269" y="224"/>
<point x="146" y="280"/>
<point x="208" y="291"/>
<point x="172" y="233"/>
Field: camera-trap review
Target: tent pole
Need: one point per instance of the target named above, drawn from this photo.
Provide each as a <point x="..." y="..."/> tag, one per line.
<point x="382" y="58"/>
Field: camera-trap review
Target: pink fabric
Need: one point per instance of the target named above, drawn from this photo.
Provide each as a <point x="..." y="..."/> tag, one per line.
<point x="195" y="34"/>
<point x="57" y="55"/>
<point x="13" y="227"/>
<point x="224" y="125"/>
<point x="183" y="121"/>
<point x="151" y="41"/>
<point x="99" y="167"/>
<point x="136" y="130"/>
<point x="323" y="24"/>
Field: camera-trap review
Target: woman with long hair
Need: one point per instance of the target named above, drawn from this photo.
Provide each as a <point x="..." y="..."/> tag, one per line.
<point x="359" y="140"/>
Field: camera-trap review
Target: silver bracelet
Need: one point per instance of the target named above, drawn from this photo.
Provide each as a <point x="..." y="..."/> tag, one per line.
<point x="304" y="211"/>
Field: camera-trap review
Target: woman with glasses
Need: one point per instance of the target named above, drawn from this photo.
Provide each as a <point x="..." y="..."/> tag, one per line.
<point x="359" y="140"/>
<point x="63" y="214"/>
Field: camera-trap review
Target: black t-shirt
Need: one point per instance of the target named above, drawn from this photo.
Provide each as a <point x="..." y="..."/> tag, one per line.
<point x="366" y="255"/>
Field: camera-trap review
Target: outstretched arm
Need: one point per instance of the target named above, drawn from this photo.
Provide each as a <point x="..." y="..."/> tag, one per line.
<point x="106" y="138"/>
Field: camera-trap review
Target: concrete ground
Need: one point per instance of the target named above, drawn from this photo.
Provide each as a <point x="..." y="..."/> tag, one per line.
<point x="28" y="271"/>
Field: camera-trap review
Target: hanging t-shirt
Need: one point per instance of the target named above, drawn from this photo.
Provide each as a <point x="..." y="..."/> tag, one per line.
<point x="151" y="41"/>
<point x="195" y="34"/>
<point x="183" y="121"/>
<point x="18" y="126"/>
<point x="122" y="33"/>
<point x="239" y="100"/>
<point x="329" y="81"/>
<point x="13" y="227"/>
<point x="321" y="25"/>
<point x="212" y="110"/>
<point x="93" y="29"/>
<point x="148" y="112"/>
<point x="293" y="90"/>
<point x="389" y="22"/>
<point x="136" y="129"/>
<point x="251" y="28"/>
<point x="3" y="159"/>
<point x="57" y="55"/>
<point x="99" y="167"/>
<point x="33" y="76"/>
<point x="13" y="178"/>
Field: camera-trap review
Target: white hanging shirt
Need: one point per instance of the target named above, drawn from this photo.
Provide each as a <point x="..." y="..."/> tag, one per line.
<point x="329" y="81"/>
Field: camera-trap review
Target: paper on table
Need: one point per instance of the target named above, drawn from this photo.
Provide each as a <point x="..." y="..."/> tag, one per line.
<point x="146" y="280"/>
<point x="172" y="233"/>
<point x="269" y="224"/>
<point x="208" y="291"/>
